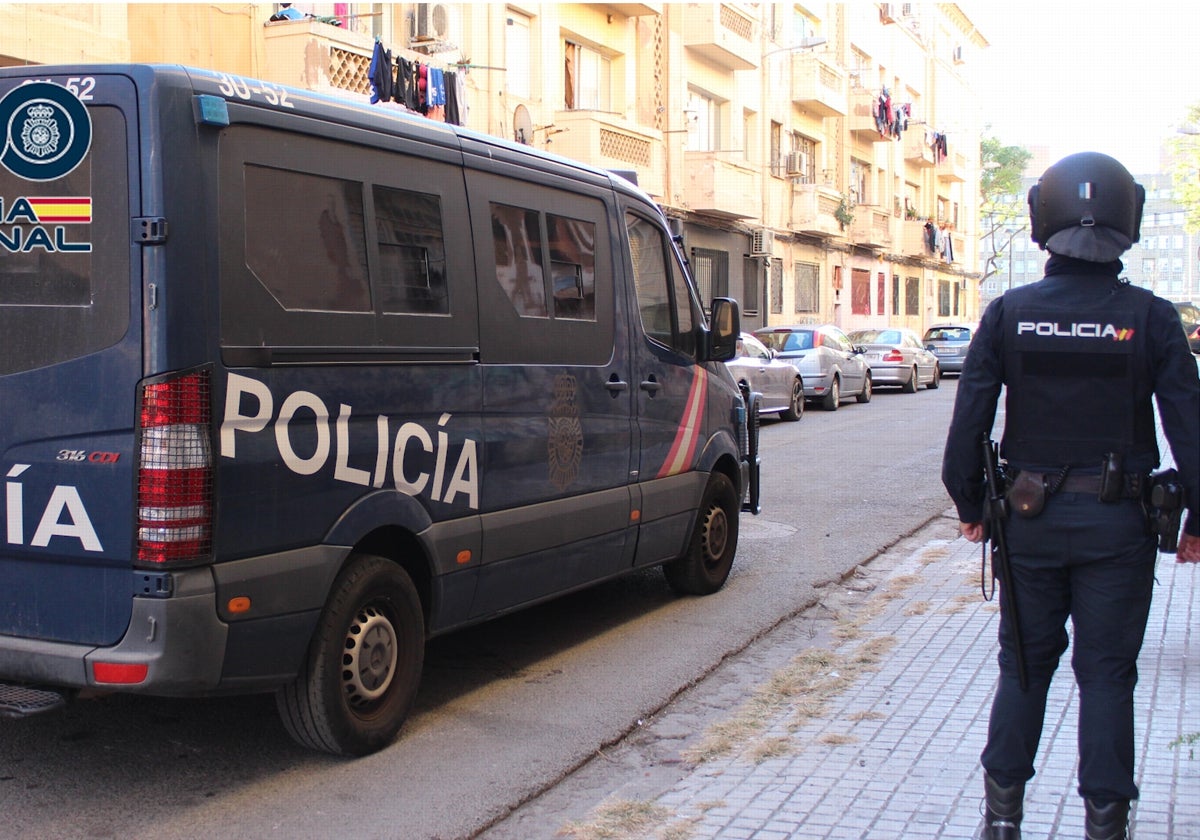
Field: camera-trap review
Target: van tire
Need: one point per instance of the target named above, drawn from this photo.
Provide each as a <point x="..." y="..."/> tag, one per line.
<point x="373" y="608"/>
<point x="705" y="567"/>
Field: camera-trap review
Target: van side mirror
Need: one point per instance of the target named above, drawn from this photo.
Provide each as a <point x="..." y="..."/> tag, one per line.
<point x="725" y="326"/>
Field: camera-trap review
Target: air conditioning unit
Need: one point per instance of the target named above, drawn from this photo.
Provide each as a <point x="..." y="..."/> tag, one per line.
<point x="762" y="243"/>
<point x="886" y="13"/>
<point x="793" y="163"/>
<point x="433" y="22"/>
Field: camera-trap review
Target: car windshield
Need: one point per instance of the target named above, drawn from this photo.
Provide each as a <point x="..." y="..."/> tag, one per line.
<point x="782" y="342"/>
<point x="948" y="334"/>
<point x="876" y="337"/>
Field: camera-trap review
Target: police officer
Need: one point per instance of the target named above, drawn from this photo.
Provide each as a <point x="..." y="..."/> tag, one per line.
<point x="1081" y="353"/>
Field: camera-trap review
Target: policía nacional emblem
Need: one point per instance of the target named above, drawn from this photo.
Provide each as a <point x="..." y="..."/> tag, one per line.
<point x="564" y="433"/>
<point x="47" y="131"/>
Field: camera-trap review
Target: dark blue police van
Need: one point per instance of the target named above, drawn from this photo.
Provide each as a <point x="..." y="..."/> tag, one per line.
<point x="290" y="385"/>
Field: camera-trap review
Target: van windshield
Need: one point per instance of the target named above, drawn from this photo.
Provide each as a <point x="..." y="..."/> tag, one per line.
<point x="64" y="255"/>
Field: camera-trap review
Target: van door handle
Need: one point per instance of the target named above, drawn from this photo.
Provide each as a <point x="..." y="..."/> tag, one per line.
<point x="651" y="385"/>
<point x="616" y="385"/>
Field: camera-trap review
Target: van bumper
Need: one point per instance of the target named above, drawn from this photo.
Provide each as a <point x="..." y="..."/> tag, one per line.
<point x="179" y="639"/>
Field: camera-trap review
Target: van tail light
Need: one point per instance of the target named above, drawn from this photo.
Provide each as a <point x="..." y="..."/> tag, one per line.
<point x="175" y="474"/>
<point x="893" y="356"/>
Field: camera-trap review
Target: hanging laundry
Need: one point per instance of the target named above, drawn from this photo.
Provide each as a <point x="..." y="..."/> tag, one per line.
<point x="453" y="116"/>
<point x="379" y="73"/>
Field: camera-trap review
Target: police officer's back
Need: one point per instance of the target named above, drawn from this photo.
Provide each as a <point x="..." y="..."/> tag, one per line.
<point x="1082" y="355"/>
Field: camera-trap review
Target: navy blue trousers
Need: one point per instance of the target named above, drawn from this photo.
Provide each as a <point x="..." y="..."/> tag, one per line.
<point x="1092" y="562"/>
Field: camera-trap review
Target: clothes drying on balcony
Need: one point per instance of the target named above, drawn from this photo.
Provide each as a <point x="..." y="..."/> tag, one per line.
<point x="436" y="93"/>
<point x="891" y="118"/>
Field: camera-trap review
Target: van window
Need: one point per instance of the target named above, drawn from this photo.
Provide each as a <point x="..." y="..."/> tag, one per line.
<point x="305" y="241"/>
<point x="664" y="299"/>
<point x="412" y="252"/>
<point x="56" y="303"/>
<point x="339" y="245"/>
<point x="517" y="238"/>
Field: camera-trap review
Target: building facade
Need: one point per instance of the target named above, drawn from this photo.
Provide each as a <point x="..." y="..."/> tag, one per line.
<point x="818" y="161"/>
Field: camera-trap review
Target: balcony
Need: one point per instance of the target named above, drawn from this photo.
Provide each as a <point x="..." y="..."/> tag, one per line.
<point x="606" y="140"/>
<point x="916" y="151"/>
<point x="819" y="85"/>
<point x="953" y="168"/>
<point x="720" y="34"/>
<point x="317" y="56"/>
<point x="861" y="120"/>
<point x="871" y="228"/>
<point x="813" y="209"/>
<point x="717" y="186"/>
<point x="636" y="9"/>
<point x="912" y="239"/>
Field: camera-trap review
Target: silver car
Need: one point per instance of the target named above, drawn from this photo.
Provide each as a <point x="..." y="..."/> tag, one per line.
<point x="950" y="343"/>
<point x="897" y="357"/>
<point x="755" y="368"/>
<point x="831" y="366"/>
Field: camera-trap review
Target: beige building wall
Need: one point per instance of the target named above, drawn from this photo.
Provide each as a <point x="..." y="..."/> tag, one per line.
<point x="737" y="190"/>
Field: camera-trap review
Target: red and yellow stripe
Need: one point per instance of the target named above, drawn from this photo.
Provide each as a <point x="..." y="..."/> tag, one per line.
<point x="683" y="449"/>
<point x="77" y="211"/>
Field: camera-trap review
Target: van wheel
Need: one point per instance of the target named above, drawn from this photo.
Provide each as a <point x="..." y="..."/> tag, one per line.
<point x="796" y="404"/>
<point x="833" y="397"/>
<point x="360" y="675"/>
<point x="705" y="567"/>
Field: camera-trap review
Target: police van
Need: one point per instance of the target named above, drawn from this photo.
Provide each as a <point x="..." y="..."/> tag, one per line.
<point x="291" y="384"/>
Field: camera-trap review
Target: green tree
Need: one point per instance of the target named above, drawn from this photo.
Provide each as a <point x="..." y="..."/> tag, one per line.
<point x="1185" y="168"/>
<point x="1003" y="213"/>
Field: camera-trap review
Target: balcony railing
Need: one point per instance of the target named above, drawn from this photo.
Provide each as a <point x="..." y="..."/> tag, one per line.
<point x="871" y="228"/>
<point x="606" y="140"/>
<point x="718" y="186"/>
<point x="317" y="56"/>
<point x="819" y="85"/>
<point x="953" y="168"/>
<point x="913" y="239"/>
<point x="813" y="209"/>
<point x="916" y="151"/>
<point x="861" y="120"/>
<point x="721" y="34"/>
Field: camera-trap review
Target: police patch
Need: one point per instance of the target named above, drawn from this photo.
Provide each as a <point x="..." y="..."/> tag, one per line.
<point x="47" y="131"/>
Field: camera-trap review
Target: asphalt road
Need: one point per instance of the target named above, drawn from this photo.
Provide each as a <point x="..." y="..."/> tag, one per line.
<point x="506" y="708"/>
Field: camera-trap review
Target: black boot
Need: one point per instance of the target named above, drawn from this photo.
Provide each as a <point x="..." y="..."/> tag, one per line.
<point x="1106" y="822"/>
<point x="1002" y="820"/>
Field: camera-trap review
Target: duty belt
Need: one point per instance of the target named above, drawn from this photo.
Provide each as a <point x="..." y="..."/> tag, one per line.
<point x="1132" y="485"/>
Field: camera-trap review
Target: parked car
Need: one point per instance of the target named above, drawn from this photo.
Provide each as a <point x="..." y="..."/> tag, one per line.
<point x="950" y="343"/>
<point x="1189" y="316"/>
<point x="755" y="368"/>
<point x="896" y="356"/>
<point x="831" y="367"/>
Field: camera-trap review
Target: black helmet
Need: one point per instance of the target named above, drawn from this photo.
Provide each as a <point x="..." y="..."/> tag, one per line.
<point x="1086" y="206"/>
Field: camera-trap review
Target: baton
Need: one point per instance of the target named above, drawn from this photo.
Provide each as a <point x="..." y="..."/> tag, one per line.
<point x="996" y="511"/>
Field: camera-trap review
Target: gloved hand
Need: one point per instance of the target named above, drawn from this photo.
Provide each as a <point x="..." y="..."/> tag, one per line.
<point x="1188" y="550"/>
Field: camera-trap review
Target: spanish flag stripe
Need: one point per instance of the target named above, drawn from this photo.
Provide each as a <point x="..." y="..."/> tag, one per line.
<point x="62" y="210"/>
<point x="683" y="449"/>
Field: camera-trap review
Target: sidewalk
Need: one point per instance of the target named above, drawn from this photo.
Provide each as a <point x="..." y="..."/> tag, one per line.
<point x="874" y="727"/>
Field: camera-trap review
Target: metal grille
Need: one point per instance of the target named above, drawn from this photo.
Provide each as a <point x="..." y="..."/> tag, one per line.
<point x="348" y="70"/>
<point x="735" y="23"/>
<point x="21" y="700"/>
<point x="614" y="144"/>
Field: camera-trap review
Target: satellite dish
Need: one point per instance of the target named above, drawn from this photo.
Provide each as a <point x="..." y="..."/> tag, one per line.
<point x="522" y="126"/>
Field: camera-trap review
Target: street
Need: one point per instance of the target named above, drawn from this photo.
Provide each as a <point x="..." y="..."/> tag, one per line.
<point x="509" y="707"/>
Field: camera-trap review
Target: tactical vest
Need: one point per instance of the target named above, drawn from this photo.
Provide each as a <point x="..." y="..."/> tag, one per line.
<point x="1072" y="370"/>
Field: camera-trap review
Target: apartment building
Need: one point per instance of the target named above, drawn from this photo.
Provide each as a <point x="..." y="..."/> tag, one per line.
<point x="818" y="161"/>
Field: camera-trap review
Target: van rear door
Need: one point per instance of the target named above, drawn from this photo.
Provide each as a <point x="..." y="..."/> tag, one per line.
<point x="70" y="360"/>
